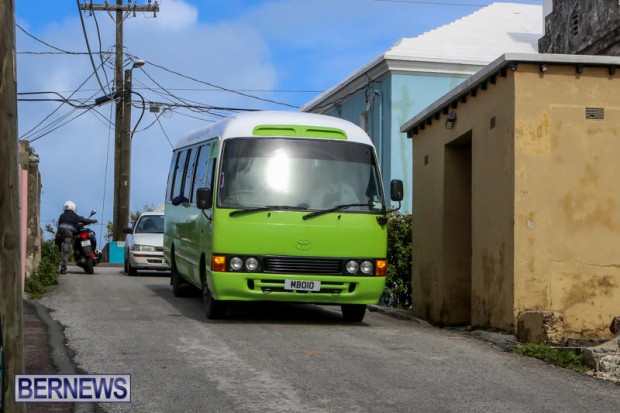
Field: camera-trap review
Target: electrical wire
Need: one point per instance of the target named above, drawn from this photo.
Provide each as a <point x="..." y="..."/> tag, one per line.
<point x="45" y="43"/>
<point x="61" y="98"/>
<point x="58" y="127"/>
<point x="221" y="87"/>
<point x="100" y="48"/>
<point x="25" y="135"/>
<point x="141" y="114"/>
<point x="165" y="134"/>
<point x="90" y="54"/>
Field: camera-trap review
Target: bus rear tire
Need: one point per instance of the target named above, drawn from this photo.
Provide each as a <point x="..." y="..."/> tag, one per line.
<point x="214" y="309"/>
<point x="353" y="313"/>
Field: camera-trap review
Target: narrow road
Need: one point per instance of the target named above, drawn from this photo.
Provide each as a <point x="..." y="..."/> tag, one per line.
<point x="296" y="358"/>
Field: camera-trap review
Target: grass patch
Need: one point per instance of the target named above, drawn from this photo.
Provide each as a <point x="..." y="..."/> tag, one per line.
<point x="557" y="357"/>
<point x="46" y="273"/>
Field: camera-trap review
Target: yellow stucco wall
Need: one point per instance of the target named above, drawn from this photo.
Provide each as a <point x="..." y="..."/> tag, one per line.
<point x="567" y="196"/>
<point x="545" y="204"/>
<point x="491" y="238"/>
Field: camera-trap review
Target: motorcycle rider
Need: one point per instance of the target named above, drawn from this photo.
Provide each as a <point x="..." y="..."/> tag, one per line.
<point x="68" y="224"/>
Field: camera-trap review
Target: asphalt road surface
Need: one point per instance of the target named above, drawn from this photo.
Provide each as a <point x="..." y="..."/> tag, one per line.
<point x="296" y="358"/>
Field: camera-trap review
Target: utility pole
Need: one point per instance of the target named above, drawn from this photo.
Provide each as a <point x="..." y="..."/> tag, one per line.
<point x="122" y="133"/>
<point x="11" y="329"/>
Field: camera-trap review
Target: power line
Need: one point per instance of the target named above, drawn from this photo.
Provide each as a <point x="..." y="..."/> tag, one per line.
<point x="165" y="134"/>
<point x="100" y="48"/>
<point x="58" y="108"/>
<point x="214" y="86"/>
<point x="221" y="87"/>
<point x="90" y="55"/>
<point x="44" y="42"/>
<point x="59" y="126"/>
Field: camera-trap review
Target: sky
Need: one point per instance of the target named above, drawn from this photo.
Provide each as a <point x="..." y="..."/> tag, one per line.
<point x="233" y="54"/>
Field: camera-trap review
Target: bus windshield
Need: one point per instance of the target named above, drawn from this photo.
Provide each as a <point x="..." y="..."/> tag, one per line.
<point x="297" y="173"/>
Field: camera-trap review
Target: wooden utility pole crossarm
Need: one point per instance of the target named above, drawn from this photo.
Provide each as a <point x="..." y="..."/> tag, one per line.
<point x="11" y="330"/>
<point x="119" y="6"/>
<point x="122" y="139"/>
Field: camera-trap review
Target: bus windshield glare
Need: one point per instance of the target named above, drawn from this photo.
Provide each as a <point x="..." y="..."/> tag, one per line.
<point x="299" y="174"/>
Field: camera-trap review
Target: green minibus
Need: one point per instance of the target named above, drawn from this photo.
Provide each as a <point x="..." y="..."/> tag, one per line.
<point x="278" y="206"/>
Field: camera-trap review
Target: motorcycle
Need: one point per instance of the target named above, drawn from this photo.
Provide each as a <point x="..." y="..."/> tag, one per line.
<point x="85" y="250"/>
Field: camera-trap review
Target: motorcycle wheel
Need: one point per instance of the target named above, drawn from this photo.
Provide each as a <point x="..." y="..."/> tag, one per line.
<point x="89" y="266"/>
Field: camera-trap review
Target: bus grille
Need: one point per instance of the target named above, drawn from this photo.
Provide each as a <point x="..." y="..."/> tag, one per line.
<point x="296" y="265"/>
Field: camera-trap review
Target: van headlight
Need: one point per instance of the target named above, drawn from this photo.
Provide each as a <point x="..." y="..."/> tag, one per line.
<point x="143" y="248"/>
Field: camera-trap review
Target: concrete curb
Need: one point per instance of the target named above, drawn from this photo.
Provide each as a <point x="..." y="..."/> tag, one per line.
<point x="61" y="356"/>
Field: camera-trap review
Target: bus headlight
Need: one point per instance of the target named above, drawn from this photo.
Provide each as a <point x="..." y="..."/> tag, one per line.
<point x="352" y="267"/>
<point x="367" y="268"/>
<point x="251" y="264"/>
<point x="236" y="263"/>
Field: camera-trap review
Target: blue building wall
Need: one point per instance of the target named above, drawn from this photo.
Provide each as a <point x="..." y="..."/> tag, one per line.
<point x="390" y="102"/>
<point x="410" y="94"/>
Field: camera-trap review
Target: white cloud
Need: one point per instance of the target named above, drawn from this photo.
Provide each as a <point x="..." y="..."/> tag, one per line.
<point x="174" y="15"/>
<point x="77" y="159"/>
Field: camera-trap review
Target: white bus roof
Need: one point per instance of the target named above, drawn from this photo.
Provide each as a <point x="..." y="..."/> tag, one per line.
<point x="267" y="123"/>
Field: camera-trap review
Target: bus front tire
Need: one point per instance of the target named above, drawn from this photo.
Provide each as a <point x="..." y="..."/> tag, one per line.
<point x="214" y="309"/>
<point x="353" y="313"/>
<point x="178" y="289"/>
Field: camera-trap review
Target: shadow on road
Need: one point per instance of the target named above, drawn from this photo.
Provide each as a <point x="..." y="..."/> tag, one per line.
<point x="263" y="312"/>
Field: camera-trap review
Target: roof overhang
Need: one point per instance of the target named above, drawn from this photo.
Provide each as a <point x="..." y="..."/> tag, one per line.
<point x="382" y="65"/>
<point x="509" y="61"/>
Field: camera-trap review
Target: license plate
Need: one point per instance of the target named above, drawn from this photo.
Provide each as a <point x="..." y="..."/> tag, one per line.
<point x="86" y="243"/>
<point x="302" y="285"/>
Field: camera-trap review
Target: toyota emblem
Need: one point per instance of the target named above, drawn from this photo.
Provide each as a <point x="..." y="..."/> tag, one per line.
<point x="303" y="244"/>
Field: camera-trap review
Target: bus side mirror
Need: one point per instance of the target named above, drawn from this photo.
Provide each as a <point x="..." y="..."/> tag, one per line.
<point x="204" y="198"/>
<point x="396" y="190"/>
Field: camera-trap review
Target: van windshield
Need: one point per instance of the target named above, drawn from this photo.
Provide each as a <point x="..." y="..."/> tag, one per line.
<point x="298" y="173"/>
<point x="150" y="224"/>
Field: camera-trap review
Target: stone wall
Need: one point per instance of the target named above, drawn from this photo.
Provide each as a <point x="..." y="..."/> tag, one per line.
<point x="582" y="27"/>
<point x="29" y="162"/>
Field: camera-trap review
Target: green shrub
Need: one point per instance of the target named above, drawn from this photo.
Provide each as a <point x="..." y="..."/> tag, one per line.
<point x="563" y="358"/>
<point x="46" y="273"/>
<point x="397" y="292"/>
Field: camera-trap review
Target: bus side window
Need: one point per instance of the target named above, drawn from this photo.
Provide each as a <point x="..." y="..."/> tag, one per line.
<point x="210" y="173"/>
<point x="200" y="179"/>
<point x="177" y="187"/>
<point x="189" y="175"/>
<point x="171" y="174"/>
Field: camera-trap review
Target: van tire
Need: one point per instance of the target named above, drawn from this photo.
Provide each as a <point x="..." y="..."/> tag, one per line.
<point x="353" y="313"/>
<point x="131" y="270"/>
<point x="214" y="309"/>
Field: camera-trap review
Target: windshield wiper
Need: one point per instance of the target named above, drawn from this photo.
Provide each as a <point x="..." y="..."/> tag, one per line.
<point x="266" y="208"/>
<point x="334" y="209"/>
